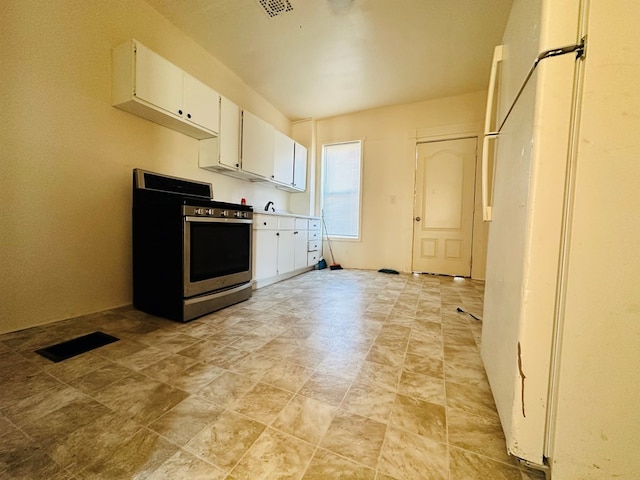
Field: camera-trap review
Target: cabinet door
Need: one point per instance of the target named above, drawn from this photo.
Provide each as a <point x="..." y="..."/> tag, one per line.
<point x="300" y="167"/>
<point x="265" y="260"/>
<point x="257" y="146"/>
<point x="286" y="245"/>
<point x="283" y="159"/>
<point x="265" y="222"/>
<point x="201" y="104"/>
<point x="314" y="235"/>
<point x="158" y="81"/>
<point x="313" y="258"/>
<point x="229" y="133"/>
<point x="300" y="249"/>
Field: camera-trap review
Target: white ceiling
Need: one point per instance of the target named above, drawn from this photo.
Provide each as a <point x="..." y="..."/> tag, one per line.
<point x="320" y="60"/>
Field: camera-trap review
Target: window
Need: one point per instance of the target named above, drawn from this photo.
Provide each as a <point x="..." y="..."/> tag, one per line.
<point x="341" y="188"/>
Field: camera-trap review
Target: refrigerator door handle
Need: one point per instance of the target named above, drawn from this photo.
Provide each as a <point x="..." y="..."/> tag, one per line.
<point x="489" y="132"/>
<point x="493" y="80"/>
<point x="486" y="208"/>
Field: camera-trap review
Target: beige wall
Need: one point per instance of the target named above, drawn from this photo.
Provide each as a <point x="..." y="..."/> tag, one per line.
<point x="67" y="154"/>
<point x="390" y="136"/>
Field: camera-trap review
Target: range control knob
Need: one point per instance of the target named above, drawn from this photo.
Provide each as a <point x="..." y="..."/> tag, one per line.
<point x="199" y="211"/>
<point x="209" y="211"/>
<point x="224" y="213"/>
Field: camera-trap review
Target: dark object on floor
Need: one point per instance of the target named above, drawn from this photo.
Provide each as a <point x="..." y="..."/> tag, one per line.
<point x="389" y="270"/>
<point x="76" y="346"/>
<point x="334" y="265"/>
<point x="322" y="264"/>
<point x="468" y="313"/>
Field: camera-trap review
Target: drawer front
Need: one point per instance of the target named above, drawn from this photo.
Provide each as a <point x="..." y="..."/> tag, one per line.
<point x="265" y="222"/>
<point x="302" y="224"/>
<point x="314" y="224"/>
<point x="286" y="223"/>
<point x="314" y="235"/>
<point x="314" y="246"/>
<point x="312" y="258"/>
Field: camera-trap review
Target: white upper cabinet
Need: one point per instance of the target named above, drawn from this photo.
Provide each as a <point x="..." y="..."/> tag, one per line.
<point x="291" y="164"/>
<point x="300" y="167"/>
<point x="156" y="81"/>
<point x="222" y="154"/>
<point x="258" y="143"/>
<point x="283" y="159"/>
<point x="201" y="104"/>
<point x="229" y="133"/>
<point x="147" y="85"/>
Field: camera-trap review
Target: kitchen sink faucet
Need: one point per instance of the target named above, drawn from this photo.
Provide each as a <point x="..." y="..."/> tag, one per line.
<point x="269" y="204"/>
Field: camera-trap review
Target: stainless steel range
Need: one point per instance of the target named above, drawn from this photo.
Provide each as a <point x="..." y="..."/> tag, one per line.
<point x="191" y="255"/>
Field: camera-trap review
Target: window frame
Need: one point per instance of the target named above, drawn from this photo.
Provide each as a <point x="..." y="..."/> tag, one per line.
<point x="360" y="143"/>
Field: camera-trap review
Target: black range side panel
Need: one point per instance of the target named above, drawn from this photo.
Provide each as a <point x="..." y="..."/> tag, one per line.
<point x="157" y="258"/>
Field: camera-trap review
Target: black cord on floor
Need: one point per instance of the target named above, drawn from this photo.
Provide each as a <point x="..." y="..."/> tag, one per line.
<point x="469" y="313"/>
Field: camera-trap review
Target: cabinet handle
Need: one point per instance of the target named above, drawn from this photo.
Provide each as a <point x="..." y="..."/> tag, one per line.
<point x="188" y="115"/>
<point x="265" y="223"/>
<point x="277" y="234"/>
<point x="295" y="233"/>
<point x="180" y="112"/>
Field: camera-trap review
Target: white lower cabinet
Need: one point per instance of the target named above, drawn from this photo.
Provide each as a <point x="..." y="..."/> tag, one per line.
<point x="314" y="242"/>
<point x="300" y="248"/>
<point x="265" y="246"/>
<point x="313" y="258"/>
<point x="280" y="248"/>
<point x="286" y="245"/>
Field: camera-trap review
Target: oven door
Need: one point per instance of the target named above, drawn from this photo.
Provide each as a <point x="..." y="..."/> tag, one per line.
<point x="217" y="254"/>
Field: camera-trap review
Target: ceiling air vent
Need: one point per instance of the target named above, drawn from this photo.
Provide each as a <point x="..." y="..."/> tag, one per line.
<point x="274" y="8"/>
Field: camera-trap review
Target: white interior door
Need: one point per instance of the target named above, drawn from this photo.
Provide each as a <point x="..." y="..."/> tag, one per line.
<point x="444" y="203"/>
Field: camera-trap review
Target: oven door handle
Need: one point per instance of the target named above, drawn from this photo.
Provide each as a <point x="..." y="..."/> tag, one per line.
<point x="217" y="220"/>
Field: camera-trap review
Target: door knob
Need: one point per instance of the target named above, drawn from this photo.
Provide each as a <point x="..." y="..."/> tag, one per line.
<point x="417" y="219"/>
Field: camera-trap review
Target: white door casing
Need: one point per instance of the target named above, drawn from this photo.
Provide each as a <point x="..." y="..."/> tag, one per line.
<point x="444" y="206"/>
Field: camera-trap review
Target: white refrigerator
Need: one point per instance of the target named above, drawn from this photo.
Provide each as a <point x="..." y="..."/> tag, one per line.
<point x="547" y="93"/>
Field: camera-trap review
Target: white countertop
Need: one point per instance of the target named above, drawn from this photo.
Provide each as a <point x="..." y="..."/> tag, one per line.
<point x="280" y="213"/>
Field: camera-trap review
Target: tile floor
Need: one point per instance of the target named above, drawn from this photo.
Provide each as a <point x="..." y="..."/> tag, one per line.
<point x="330" y="375"/>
